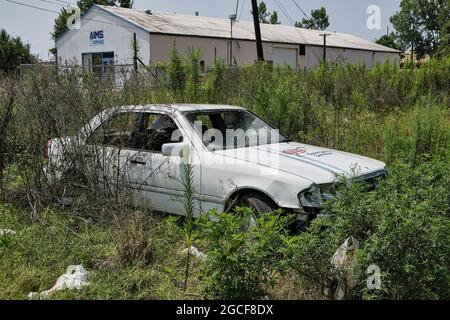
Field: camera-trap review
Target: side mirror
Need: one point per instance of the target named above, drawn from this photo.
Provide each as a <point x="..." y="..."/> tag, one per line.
<point x="174" y="149"/>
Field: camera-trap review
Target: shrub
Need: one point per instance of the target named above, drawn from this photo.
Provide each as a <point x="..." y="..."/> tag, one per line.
<point x="176" y="73"/>
<point x="241" y="262"/>
<point x="403" y="227"/>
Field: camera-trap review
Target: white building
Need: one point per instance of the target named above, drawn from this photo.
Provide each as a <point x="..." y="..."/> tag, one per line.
<point x="106" y="33"/>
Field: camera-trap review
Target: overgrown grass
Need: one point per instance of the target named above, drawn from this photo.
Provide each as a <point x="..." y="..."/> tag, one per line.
<point x="400" y="116"/>
<point x="129" y="254"/>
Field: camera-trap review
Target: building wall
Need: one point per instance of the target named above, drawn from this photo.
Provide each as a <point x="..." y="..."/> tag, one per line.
<point x="117" y="36"/>
<point x="244" y="51"/>
<point x="314" y="54"/>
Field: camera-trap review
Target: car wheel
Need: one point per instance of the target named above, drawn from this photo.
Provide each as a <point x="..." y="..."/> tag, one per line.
<point x="258" y="203"/>
<point x="261" y="204"/>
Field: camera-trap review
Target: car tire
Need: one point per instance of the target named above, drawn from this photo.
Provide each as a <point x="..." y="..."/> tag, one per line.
<point x="260" y="204"/>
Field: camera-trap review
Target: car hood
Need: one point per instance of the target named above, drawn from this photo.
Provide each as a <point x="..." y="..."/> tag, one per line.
<point x="319" y="165"/>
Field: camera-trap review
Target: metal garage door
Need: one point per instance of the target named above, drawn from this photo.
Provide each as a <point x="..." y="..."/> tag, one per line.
<point x="281" y="56"/>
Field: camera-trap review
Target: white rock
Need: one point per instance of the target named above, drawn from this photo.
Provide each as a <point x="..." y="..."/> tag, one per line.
<point x="33" y="296"/>
<point x="195" y="252"/>
<point x="345" y="259"/>
<point x="5" y="232"/>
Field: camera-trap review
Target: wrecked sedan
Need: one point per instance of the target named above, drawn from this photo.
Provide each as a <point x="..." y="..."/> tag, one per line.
<point x="235" y="157"/>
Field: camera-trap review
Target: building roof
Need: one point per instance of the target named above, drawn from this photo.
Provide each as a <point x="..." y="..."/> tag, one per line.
<point x="188" y="25"/>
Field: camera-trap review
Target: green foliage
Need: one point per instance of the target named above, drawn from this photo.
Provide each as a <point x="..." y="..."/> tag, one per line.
<point x="241" y="261"/>
<point x="389" y="113"/>
<point x="274" y="18"/>
<point x="390" y="41"/>
<point x="193" y="75"/>
<point x="319" y="20"/>
<point x="189" y="208"/>
<point x="309" y="256"/>
<point x="176" y="73"/>
<point x="214" y="84"/>
<point x="13" y="52"/>
<point x="403" y="227"/>
<point x="444" y="43"/>
<point x="60" y="25"/>
<point x="426" y="136"/>
<point x="129" y="254"/>
<point x="265" y="16"/>
<point x="419" y="23"/>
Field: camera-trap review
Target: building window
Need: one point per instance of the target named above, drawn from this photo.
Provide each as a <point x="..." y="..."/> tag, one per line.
<point x="100" y="63"/>
<point x="202" y="65"/>
<point x="302" y="50"/>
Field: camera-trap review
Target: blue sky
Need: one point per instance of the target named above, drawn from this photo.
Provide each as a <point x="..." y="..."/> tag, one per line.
<point x="349" y="16"/>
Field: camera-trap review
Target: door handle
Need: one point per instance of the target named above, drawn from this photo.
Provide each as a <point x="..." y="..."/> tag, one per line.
<point x="137" y="161"/>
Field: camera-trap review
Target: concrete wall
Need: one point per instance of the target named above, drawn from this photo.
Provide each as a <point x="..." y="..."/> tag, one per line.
<point x="118" y="35"/>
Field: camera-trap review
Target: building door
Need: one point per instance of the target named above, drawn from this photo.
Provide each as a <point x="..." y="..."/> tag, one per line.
<point x="281" y="56"/>
<point x="108" y="66"/>
<point x="100" y="63"/>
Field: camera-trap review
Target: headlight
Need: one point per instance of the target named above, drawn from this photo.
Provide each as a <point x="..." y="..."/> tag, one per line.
<point x="311" y="198"/>
<point x="315" y="196"/>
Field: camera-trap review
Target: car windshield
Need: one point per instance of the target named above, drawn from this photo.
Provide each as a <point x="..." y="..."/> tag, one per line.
<point x="229" y="129"/>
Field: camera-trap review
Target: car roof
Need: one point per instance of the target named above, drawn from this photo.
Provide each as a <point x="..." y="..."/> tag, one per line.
<point x="179" y="107"/>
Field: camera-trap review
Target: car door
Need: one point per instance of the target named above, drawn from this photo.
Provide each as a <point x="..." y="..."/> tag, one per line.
<point x="108" y="152"/>
<point x="157" y="179"/>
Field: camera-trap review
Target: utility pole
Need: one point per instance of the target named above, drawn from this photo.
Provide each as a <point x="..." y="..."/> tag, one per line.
<point x="135" y="53"/>
<point x="232" y="18"/>
<point x="259" y="48"/>
<point x="324" y="35"/>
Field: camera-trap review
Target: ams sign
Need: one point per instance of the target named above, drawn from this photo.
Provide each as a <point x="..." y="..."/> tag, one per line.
<point x="97" y="37"/>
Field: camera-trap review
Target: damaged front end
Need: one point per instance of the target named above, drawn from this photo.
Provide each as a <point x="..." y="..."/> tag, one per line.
<point x="313" y="198"/>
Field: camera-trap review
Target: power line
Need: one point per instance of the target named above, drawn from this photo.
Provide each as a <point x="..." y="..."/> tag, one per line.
<point x="66" y="2"/>
<point x="56" y="12"/>
<point x="298" y="6"/>
<point x="52" y="2"/>
<point x="31" y="6"/>
<point x="283" y="9"/>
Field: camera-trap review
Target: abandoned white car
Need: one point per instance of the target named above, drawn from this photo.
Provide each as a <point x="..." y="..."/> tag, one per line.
<point x="236" y="159"/>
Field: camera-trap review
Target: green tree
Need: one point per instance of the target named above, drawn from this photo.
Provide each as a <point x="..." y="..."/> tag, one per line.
<point x="266" y="16"/>
<point x="274" y="18"/>
<point x="319" y="20"/>
<point x="13" y="52"/>
<point x="444" y="44"/>
<point x="61" y="21"/>
<point x="390" y="41"/>
<point x="419" y="24"/>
